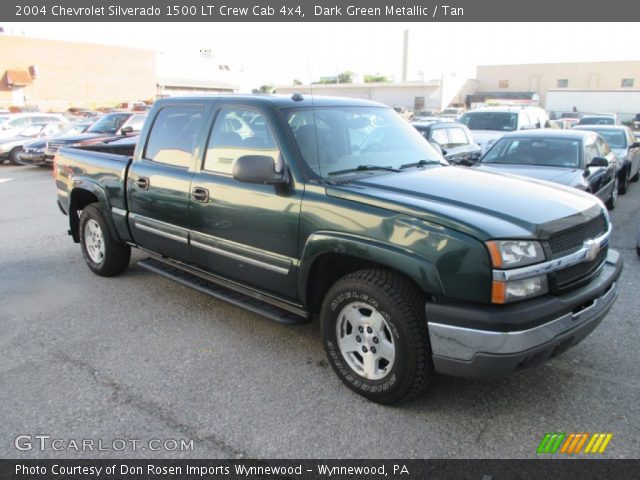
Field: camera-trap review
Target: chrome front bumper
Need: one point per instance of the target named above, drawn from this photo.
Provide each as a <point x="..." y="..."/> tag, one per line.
<point x="471" y="352"/>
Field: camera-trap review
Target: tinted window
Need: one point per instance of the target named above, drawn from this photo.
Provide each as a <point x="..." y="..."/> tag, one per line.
<point x="502" y="121"/>
<point x="544" y="152"/>
<point x="596" y="121"/>
<point x="457" y="137"/>
<point x="615" y="138"/>
<point x="238" y="132"/>
<point x="109" y="123"/>
<point x="340" y="140"/>
<point x="174" y="135"/>
<point x="602" y="147"/>
<point x="136" y="122"/>
<point x="20" y="122"/>
<point x="590" y="152"/>
<point x="439" y="135"/>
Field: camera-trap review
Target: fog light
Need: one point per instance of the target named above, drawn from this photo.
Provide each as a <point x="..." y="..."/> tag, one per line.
<point x="515" y="290"/>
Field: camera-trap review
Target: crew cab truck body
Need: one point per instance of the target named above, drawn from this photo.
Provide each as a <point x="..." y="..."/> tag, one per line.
<point x="293" y="207"/>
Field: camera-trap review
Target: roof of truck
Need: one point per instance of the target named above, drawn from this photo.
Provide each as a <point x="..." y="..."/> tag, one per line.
<point x="282" y="101"/>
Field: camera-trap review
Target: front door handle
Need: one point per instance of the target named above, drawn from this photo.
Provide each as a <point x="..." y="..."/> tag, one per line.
<point x="143" y="183"/>
<point x="200" y="194"/>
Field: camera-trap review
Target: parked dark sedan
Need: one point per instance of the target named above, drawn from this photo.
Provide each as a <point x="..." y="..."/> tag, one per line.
<point x="453" y="139"/>
<point x="575" y="158"/>
<point x="621" y="140"/>
<point x="111" y="125"/>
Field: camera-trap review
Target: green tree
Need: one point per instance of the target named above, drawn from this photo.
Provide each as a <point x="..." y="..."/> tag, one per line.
<point x="264" y="89"/>
<point x="375" y="78"/>
<point x="345" y="77"/>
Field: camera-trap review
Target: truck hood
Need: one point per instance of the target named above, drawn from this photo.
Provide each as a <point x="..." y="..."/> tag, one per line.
<point x="564" y="176"/>
<point x="480" y="203"/>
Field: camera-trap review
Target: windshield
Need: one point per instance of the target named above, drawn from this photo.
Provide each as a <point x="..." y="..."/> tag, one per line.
<point x="450" y="111"/>
<point x="502" y="121"/>
<point x="334" y="140"/>
<point x="596" y="121"/>
<point x="109" y="123"/>
<point x="615" y="138"/>
<point x="31" y="131"/>
<point x="542" y="152"/>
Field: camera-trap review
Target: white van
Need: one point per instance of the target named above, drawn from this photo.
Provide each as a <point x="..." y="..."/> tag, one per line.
<point x="489" y="124"/>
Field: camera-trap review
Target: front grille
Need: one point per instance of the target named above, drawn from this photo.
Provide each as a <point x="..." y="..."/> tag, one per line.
<point x="55" y="146"/>
<point x="562" y="243"/>
<point x="576" y="275"/>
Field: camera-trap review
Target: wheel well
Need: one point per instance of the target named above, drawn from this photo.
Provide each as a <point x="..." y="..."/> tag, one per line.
<point x="79" y="199"/>
<point x="329" y="268"/>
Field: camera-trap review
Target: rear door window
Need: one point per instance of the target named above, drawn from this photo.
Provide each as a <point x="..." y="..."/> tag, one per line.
<point x="174" y="135"/>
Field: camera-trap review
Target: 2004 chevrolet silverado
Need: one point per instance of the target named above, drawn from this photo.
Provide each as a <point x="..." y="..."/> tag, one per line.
<point x="293" y="206"/>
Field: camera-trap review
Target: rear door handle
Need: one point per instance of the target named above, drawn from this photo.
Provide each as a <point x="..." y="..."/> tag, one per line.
<point x="143" y="183"/>
<point x="200" y="194"/>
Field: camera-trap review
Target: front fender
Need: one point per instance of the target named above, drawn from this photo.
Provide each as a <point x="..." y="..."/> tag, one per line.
<point x="421" y="271"/>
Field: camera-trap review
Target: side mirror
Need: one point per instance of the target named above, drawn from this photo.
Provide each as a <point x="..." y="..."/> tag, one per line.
<point x="256" y="169"/>
<point x="598" y="162"/>
<point x="635" y="145"/>
<point x="127" y="130"/>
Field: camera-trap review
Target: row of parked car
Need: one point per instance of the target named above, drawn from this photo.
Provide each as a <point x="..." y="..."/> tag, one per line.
<point x="597" y="155"/>
<point x="34" y="138"/>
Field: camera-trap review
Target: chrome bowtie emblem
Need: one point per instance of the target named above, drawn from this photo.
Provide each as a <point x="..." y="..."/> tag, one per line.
<point x="593" y="248"/>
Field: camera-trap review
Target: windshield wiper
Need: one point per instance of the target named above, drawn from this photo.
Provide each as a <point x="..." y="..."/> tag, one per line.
<point x="421" y="163"/>
<point x="364" y="168"/>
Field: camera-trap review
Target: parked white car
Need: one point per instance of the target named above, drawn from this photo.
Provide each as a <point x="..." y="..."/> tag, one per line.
<point x="489" y="124"/>
<point x="11" y="124"/>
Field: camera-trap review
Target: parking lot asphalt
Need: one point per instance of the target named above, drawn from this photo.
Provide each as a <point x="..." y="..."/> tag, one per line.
<point x="140" y="357"/>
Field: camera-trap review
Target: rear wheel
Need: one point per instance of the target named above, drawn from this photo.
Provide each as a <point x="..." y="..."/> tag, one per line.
<point x="104" y="255"/>
<point x="611" y="203"/>
<point x="375" y="335"/>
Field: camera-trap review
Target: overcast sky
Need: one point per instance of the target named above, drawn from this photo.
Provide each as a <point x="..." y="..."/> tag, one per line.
<point x="277" y="53"/>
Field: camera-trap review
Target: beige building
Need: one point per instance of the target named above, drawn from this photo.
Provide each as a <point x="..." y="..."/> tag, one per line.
<point x="430" y="95"/>
<point x="542" y="77"/>
<point x="56" y="75"/>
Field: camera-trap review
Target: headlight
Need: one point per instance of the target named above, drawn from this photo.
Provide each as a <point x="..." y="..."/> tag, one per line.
<point x="514" y="253"/>
<point x="515" y="290"/>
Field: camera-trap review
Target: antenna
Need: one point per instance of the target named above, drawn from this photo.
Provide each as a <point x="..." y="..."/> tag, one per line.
<point x="313" y="111"/>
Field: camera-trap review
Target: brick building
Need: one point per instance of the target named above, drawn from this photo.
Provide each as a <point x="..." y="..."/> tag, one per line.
<point x="56" y="75"/>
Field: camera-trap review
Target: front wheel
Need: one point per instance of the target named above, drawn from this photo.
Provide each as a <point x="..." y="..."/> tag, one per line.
<point x="14" y="156"/>
<point x="104" y="255"/>
<point x="611" y="203"/>
<point x="375" y="335"/>
<point x="623" y="184"/>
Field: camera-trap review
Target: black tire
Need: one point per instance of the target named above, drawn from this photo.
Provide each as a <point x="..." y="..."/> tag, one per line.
<point x="401" y="305"/>
<point x="13" y="156"/>
<point x="623" y="184"/>
<point x="611" y="203"/>
<point x="115" y="256"/>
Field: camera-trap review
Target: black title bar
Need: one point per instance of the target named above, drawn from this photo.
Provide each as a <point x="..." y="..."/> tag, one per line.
<point x="544" y="469"/>
<point x="318" y="11"/>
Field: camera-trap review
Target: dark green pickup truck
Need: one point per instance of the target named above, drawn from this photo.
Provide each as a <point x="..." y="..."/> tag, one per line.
<point x="294" y="207"/>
